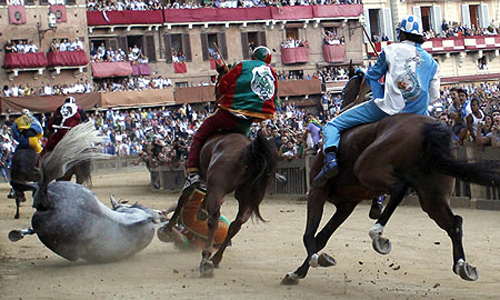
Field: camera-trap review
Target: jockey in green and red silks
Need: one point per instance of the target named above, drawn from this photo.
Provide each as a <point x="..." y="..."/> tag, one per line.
<point x="247" y="93"/>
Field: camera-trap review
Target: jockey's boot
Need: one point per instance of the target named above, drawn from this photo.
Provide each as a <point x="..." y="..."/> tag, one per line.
<point x="377" y="206"/>
<point x="192" y="181"/>
<point x="329" y="170"/>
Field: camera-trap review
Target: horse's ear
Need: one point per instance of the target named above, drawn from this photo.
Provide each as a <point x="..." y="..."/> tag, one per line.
<point x="114" y="203"/>
<point x="351" y="69"/>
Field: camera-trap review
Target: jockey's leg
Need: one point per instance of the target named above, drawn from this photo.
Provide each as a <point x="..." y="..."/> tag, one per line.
<point x="221" y="120"/>
<point x="367" y="112"/>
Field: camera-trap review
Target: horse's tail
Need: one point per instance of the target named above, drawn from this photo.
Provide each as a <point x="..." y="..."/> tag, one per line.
<point x="260" y="160"/>
<point x="78" y="145"/>
<point x="437" y="150"/>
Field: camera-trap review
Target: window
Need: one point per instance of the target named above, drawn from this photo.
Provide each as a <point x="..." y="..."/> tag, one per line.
<point x="209" y="41"/>
<point x="430" y="16"/>
<point x="144" y="42"/>
<point x="250" y="40"/>
<point x="182" y="84"/>
<point x="292" y="33"/>
<point x="3" y="2"/>
<point x="296" y="74"/>
<point x="378" y="23"/>
<point x="177" y="47"/>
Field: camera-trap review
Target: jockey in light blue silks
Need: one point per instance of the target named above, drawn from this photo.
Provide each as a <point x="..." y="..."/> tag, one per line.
<point x="412" y="80"/>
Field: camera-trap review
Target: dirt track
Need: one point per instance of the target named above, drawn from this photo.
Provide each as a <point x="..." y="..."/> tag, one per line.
<point x="261" y="255"/>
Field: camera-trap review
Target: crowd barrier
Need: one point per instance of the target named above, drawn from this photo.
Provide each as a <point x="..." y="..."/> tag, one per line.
<point x="296" y="173"/>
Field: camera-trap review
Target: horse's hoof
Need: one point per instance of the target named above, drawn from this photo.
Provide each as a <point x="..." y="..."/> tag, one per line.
<point x="206" y="269"/>
<point x="15" y="235"/>
<point x="466" y="271"/>
<point x="16" y="217"/>
<point x="201" y="214"/>
<point x="326" y="260"/>
<point x="290" y="279"/>
<point x="164" y="235"/>
<point x="381" y="245"/>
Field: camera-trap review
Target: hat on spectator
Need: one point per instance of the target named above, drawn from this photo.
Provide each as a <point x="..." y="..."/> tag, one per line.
<point x="25" y="112"/>
<point x="262" y="53"/>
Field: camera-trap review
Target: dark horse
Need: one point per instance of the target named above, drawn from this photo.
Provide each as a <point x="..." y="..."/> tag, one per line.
<point x="230" y="163"/>
<point x="389" y="157"/>
<point x="24" y="170"/>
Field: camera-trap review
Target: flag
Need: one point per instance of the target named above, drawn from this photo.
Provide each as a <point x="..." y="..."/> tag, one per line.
<point x="105" y="16"/>
<point x="17" y="15"/>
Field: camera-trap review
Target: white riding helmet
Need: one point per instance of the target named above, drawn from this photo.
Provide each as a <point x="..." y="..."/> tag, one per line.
<point x="411" y="24"/>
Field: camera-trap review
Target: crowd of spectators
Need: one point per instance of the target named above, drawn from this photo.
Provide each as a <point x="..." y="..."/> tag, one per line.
<point x="133" y="84"/>
<point x="109" y="5"/>
<point x="46" y="90"/>
<point x="456" y="29"/>
<point x="20" y="46"/>
<point x="106" y="85"/>
<point x="472" y="112"/>
<point x="101" y="54"/>
<point x="61" y="45"/>
<point x="294" y="43"/>
<point x="332" y="38"/>
<point x="161" y="136"/>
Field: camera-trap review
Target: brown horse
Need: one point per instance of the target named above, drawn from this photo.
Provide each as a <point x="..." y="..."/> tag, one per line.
<point x="230" y="163"/>
<point x="399" y="152"/>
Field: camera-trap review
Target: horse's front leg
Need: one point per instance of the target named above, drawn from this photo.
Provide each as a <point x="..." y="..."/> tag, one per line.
<point x="213" y="202"/>
<point x="315" y="203"/>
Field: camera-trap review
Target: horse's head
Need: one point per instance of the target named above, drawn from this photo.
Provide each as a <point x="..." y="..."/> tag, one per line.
<point x="353" y="86"/>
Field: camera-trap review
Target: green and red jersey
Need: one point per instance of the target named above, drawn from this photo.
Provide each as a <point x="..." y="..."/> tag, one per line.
<point x="250" y="89"/>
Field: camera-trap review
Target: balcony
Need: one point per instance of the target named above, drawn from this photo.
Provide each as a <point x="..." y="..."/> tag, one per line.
<point x="334" y="53"/>
<point x="119" y="69"/>
<point x="294" y="55"/>
<point x="458" y="44"/>
<point x="205" y="15"/>
<point x="75" y="60"/>
<point x="24" y="62"/>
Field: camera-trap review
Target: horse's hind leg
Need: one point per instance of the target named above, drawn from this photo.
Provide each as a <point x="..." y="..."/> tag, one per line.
<point x="436" y="203"/>
<point x="213" y="200"/>
<point x="316" y="243"/>
<point x="381" y="244"/>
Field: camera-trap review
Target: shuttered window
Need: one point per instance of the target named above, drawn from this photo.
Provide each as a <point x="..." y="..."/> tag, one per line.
<point x="150" y="51"/>
<point x="175" y="43"/>
<point x="3" y="2"/>
<point x="186" y="46"/>
<point x="208" y="40"/>
<point x="252" y="39"/>
<point x="70" y="2"/>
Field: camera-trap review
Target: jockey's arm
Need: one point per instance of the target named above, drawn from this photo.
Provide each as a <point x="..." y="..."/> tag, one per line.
<point x="229" y="79"/>
<point x="373" y="76"/>
<point x="434" y="86"/>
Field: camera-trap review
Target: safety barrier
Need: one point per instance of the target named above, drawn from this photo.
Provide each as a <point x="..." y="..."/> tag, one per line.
<point x="296" y="178"/>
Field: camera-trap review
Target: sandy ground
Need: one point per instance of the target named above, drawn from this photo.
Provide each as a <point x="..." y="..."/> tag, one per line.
<point x="419" y="265"/>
